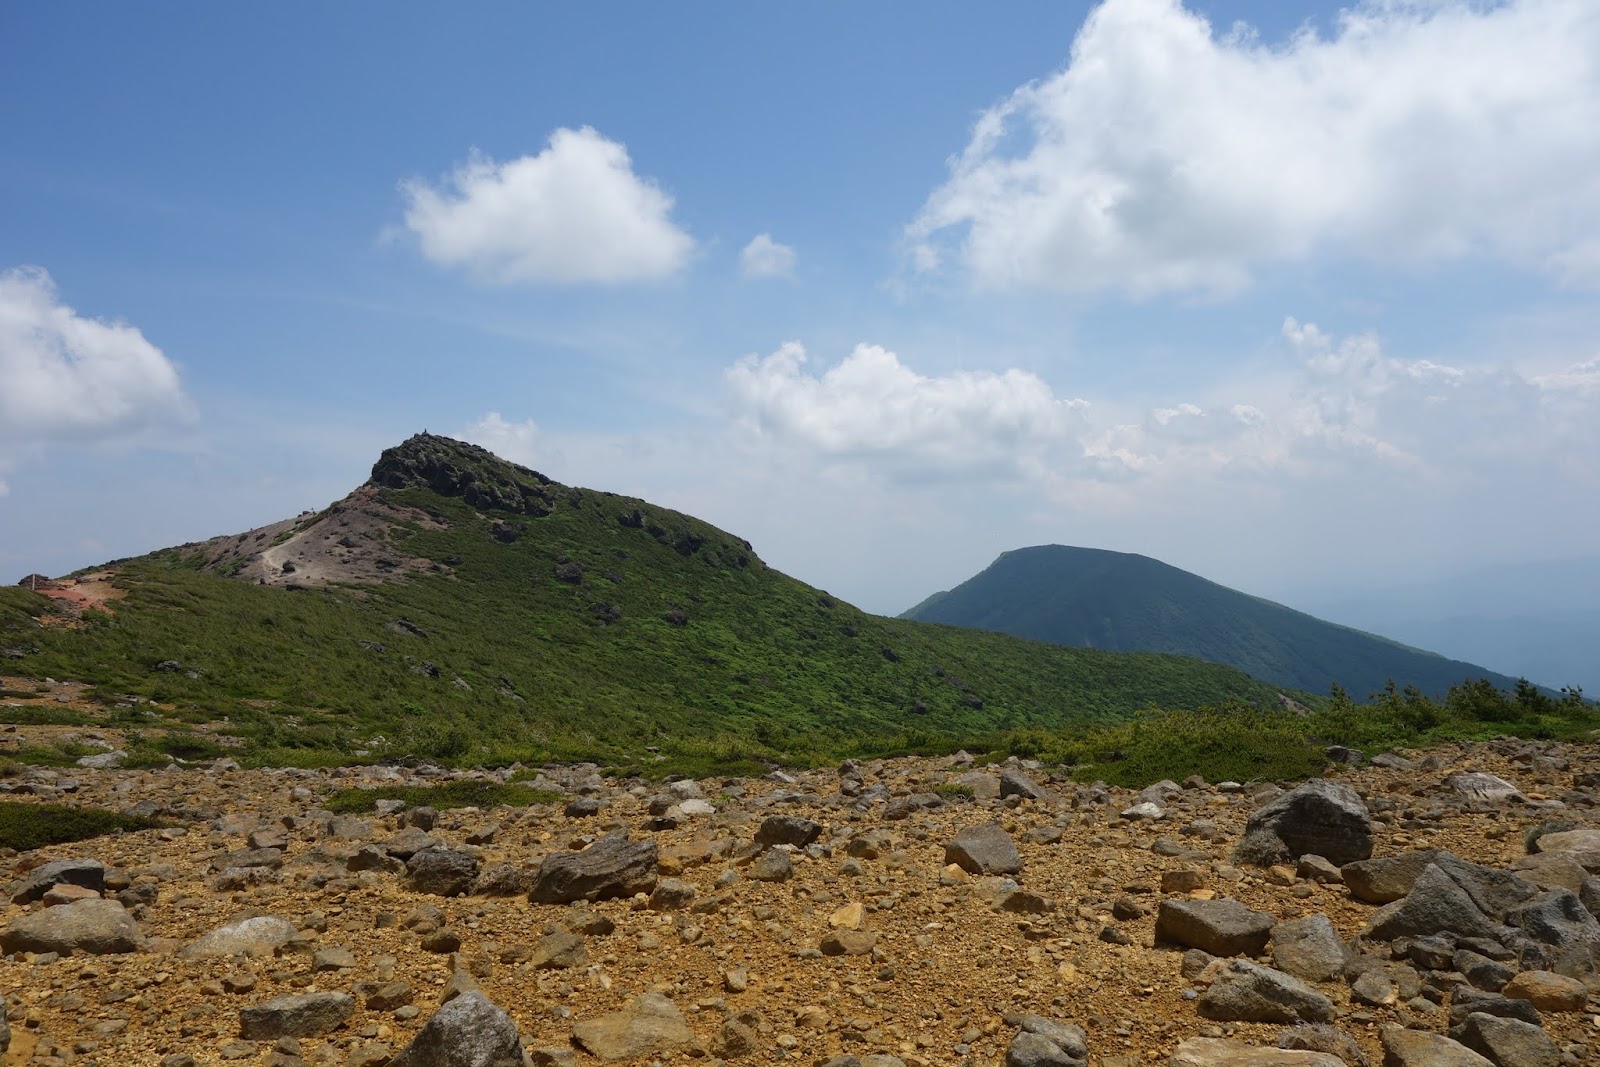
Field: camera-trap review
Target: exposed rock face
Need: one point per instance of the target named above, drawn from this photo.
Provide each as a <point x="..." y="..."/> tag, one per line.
<point x="468" y="1031"/>
<point x="648" y="1026"/>
<point x="1381" y="880"/>
<point x="1046" y="1042"/>
<point x="303" y="1015"/>
<point x="258" y="936"/>
<point x="1220" y="927"/>
<point x="95" y="926"/>
<point x="1248" y="992"/>
<point x="1309" y="948"/>
<point x="613" y="866"/>
<point x="1478" y="785"/>
<point x="441" y="871"/>
<point x="1507" y="1042"/>
<point x="1013" y="783"/>
<point x="787" y="830"/>
<point x="1226" y="1052"/>
<point x="1321" y="817"/>
<point x="985" y="849"/>
<point x="1419" y="1048"/>
<point x="90" y="874"/>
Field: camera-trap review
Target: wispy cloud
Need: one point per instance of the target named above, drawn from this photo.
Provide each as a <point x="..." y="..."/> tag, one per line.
<point x="765" y="258"/>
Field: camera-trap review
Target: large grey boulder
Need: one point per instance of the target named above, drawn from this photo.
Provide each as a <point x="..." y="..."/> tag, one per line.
<point x="443" y="872"/>
<point x="1309" y="948"/>
<point x="1421" y="1048"/>
<point x="468" y="1031"/>
<point x="647" y="1026"/>
<point x="1221" y="927"/>
<point x="1324" y="1038"/>
<point x="787" y="830"/>
<point x="1249" y="992"/>
<point x="1387" y="878"/>
<point x="88" y="874"/>
<point x="1227" y="1052"/>
<point x="257" y="936"/>
<point x="1483" y="786"/>
<point x="613" y="866"/>
<point x="1046" y="1042"/>
<point x="297" y="1015"/>
<point x="93" y="925"/>
<point x="1507" y="1042"/>
<point x="1436" y="904"/>
<point x="985" y="849"/>
<point x="1013" y="783"/>
<point x="1556" y="917"/>
<point x="1321" y="817"/>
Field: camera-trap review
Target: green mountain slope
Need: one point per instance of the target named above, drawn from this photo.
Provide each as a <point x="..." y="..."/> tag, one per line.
<point x="1091" y="598"/>
<point x="459" y="606"/>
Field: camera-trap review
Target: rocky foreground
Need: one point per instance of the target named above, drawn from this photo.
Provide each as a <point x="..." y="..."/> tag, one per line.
<point x="910" y="912"/>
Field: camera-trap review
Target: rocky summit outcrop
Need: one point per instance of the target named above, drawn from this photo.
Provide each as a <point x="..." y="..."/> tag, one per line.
<point x="862" y="916"/>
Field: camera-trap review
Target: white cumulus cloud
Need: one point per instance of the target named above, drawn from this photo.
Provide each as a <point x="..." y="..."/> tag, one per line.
<point x="1168" y="157"/>
<point x="516" y="441"/>
<point x="872" y="406"/>
<point x="67" y="378"/>
<point x="575" y="213"/>
<point x="765" y="258"/>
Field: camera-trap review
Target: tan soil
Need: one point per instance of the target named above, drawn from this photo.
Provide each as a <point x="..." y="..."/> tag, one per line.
<point x="950" y="965"/>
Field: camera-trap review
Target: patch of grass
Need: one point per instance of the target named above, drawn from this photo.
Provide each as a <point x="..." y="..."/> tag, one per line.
<point x="956" y="791"/>
<point x="28" y="826"/>
<point x="64" y="754"/>
<point x="465" y="793"/>
<point x="1228" y="742"/>
<point x="45" y="715"/>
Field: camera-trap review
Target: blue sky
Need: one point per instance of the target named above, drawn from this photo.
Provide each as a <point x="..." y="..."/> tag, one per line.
<point x="1291" y="295"/>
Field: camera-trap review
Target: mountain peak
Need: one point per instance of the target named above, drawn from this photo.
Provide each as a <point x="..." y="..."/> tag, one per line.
<point x="1096" y="598"/>
<point x="460" y="469"/>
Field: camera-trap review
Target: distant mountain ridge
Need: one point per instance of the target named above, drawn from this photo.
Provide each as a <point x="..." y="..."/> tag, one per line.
<point x="1118" y="601"/>
<point x="457" y="606"/>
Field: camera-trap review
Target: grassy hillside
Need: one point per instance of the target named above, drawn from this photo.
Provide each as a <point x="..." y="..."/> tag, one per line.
<point x="1091" y="598"/>
<point x="534" y="620"/>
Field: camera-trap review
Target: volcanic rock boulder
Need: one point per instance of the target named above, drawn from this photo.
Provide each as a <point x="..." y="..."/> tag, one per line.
<point x="1248" y="992"/>
<point x="468" y="1031"/>
<point x="1220" y="927"/>
<point x="93" y="925"/>
<point x="1420" y="1048"/>
<point x="1321" y="817"/>
<point x="299" y="1015"/>
<point x="90" y="874"/>
<point x="985" y="849"/>
<point x="613" y="866"/>
<point x="787" y="830"/>
<point x="443" y="872"/>
<point x="1388" y="878"/>
<point x="646" y="1026"/>
<point x="1226" y="1052"/>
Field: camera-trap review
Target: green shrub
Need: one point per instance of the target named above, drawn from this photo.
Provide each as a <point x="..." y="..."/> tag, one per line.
<point x="27" y="826"/>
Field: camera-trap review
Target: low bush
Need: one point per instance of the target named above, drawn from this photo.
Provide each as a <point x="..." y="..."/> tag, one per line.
<point x="26" y="826"/>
